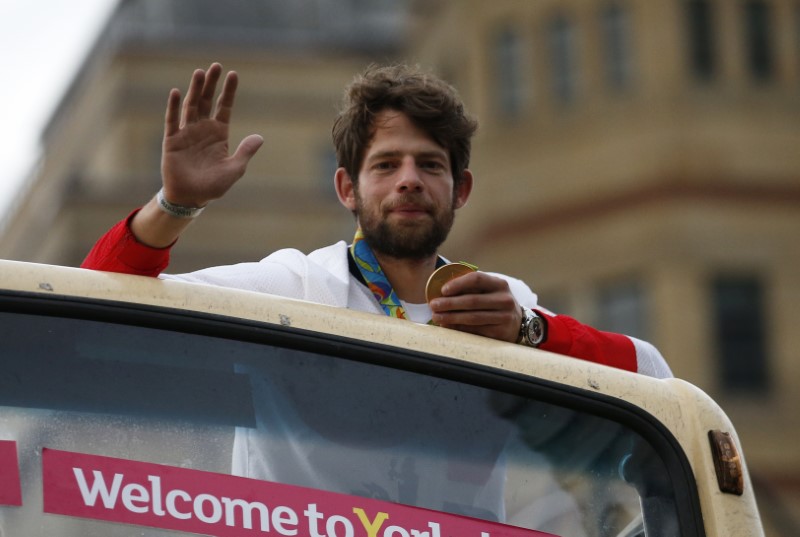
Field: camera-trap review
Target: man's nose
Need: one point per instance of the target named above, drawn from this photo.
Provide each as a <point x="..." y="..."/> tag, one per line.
<point x="409" y="176"/>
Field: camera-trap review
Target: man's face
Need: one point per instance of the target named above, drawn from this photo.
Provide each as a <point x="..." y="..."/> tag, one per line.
<point x="404" y="198"/>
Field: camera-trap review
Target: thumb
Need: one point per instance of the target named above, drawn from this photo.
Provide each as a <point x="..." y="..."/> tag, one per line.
<point x="248" y="148"/>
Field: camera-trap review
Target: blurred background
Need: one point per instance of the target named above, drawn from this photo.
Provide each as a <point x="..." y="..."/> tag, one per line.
<point x="638" y="164"/>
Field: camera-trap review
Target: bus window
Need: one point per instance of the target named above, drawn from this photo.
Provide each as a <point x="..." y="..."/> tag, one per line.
<point x="320" y="416"/>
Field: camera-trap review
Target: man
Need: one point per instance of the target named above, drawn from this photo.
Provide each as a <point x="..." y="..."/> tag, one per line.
<point x="403" y="145"/>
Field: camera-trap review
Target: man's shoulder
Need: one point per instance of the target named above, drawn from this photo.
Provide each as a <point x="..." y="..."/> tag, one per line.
<point x="322" y="255"/>
<point x="336" y="251"/>
<point x="325" y="262"/>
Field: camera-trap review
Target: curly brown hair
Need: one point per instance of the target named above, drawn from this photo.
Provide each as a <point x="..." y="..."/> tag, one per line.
<point x="430" y="103"/>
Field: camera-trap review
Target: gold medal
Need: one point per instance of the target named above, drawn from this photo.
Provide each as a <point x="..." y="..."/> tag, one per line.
<point x="444" y="274"/>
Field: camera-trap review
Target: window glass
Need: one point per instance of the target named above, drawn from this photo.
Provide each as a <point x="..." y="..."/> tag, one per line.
<point x="700" y="23"/>
<point x="739" y="333"/>
<point x="219" y="430"/>
<point x="797" y="33"/>
<point x="327" y="164"/>
<point x="616" y="24"/>
<point x="510" y="85"/>
<point x="622" y="308"/>
<point x="563" y="57"/>
<point x="758" y="31"/>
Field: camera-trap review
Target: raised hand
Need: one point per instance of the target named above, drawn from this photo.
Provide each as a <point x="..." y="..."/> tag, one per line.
<point x="196" y="166"/>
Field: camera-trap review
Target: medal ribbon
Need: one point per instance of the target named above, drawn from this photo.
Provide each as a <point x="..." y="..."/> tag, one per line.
<point x="374" y="277"/>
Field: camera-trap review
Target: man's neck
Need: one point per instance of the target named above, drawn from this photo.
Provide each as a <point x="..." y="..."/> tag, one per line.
<point x="408" y="276"/>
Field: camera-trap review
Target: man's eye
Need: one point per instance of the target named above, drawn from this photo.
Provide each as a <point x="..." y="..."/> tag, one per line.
<point x="433" y="165"/>
<point x="384" y="166"/>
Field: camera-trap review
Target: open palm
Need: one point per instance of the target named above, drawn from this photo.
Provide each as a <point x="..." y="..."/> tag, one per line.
<point x="196" y="165"/>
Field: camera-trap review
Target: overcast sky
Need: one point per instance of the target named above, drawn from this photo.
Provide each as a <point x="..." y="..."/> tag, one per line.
<point x="43" y="44"/>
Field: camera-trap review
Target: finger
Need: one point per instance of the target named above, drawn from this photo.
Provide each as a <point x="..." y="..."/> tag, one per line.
<point x="493" y="301"/>
<point x="497" y="327"/>
<point x="172" y="116"/>
<point x="247" y="149"/>
<point x="189" y="113"/>
<point x="474" y="283"/>
<point x="237" y="163"/>
<point x="209" y="88"/>
<point x="226" y="98"/>
<point x="474" y="318"/>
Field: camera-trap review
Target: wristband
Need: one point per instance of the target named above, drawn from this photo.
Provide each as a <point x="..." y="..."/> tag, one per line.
<point x="178" y="211"/>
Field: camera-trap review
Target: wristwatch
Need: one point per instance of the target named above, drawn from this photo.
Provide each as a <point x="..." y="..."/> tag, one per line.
<point x="533" y="330"/>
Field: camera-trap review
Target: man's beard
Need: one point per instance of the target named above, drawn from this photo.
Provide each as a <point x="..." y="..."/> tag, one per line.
<point x="412" y="241"/>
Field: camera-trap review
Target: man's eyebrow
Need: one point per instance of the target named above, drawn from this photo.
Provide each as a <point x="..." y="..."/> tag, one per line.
<point x="390" y="153"/>
<point x="383" y="154"/>
<point x="434" y="153"/>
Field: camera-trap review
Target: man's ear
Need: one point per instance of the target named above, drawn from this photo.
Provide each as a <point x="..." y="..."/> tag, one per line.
<point x="345" y="189"/>
<point x="463" y="190"/>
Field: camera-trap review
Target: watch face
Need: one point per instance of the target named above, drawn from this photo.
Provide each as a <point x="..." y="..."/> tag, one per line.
<point x="532" y="331"/>
<point x="535" y="331"/>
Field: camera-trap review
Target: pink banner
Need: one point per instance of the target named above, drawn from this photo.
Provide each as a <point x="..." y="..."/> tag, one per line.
<point x="10" y="489"/>
<point x="206" y="503"/>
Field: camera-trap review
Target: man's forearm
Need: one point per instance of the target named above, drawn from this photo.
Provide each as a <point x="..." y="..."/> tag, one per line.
<point x="568" y="336"/>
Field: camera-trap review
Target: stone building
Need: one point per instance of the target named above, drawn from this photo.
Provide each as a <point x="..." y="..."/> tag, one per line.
<point x="637" y="162"/>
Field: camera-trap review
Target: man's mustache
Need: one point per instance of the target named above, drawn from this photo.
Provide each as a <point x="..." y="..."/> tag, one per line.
<point x="414" y="200"/>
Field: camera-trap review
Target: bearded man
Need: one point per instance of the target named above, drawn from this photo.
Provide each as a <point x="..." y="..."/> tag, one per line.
<point x="403" y="143"/>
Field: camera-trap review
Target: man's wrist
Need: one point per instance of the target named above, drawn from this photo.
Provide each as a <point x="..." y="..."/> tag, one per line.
<point x="178" y="211"/>
<point x="153" y="227"/>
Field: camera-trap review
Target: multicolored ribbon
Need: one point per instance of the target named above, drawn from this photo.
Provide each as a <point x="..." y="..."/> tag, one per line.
<point x="376" y="280"/>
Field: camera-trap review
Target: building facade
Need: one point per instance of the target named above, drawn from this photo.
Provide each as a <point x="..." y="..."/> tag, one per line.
<point x="637" y="162"/>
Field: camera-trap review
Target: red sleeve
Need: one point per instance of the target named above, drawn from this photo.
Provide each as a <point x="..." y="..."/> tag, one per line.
<point x="567" y="336"/>
<point x="119" y="251"/>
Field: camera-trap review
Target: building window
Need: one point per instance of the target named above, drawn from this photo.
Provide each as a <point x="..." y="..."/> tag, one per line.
<point x="739" y="334"/>
<point x="797" y="31"/>
<point x="563" y="57"/>
<point x="328" y="164"/>
<point x="510" y="88"/>
<point x="622" y="308"/>
<point x="616" y="26"/>
<point x="757" y="39"/>
<point x="700" y="24"/>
